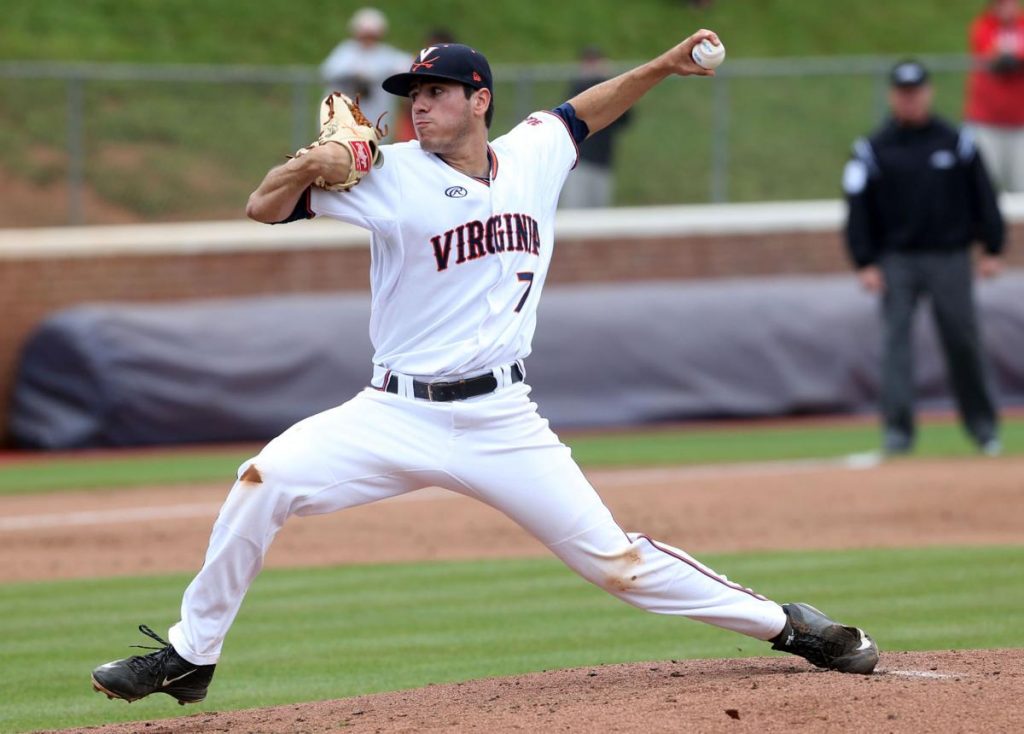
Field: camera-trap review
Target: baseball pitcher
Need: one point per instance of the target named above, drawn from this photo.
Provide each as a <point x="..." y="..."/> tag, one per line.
<point x="462" y="237"/>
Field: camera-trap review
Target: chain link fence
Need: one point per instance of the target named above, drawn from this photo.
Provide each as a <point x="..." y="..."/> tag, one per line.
<point x="107" y="143"/>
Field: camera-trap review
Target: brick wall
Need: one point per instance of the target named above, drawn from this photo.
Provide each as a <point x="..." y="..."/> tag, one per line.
<point x="32" y="287"/>
<point x="697" y="256"/>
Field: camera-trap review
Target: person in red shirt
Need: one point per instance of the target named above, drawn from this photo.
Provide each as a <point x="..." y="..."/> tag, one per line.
<point x="995" y="90"/>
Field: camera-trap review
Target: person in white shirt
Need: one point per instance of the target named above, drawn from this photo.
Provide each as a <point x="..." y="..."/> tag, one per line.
<point x="359" y="64"/>
<point x="462" y="236"/>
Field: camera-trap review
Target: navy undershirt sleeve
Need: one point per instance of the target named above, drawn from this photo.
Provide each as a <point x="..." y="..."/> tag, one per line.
<point x="302" y="209"/>
<point x="577" y="128"/>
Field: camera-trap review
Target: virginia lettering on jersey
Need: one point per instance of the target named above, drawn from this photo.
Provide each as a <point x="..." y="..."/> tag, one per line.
<point x="473" y="240"/>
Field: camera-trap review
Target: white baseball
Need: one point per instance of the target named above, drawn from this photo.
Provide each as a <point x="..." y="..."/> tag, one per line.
<point x="707" y="54"/>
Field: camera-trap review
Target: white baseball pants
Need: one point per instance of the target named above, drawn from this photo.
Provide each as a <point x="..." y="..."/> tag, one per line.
<point x="1002" y="148"/>
<point x="495" y="448"/>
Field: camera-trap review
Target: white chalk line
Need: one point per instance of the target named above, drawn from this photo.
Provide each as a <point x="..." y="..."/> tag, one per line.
<point x="103" y="517"/>
<point x="158" y="512"/>
<point x="921" y="674"/>
<point x="606" y="478"/>
<point x="619" y="477"/>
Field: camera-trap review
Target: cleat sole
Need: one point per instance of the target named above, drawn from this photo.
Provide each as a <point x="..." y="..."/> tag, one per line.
<point x="98" y="688"/>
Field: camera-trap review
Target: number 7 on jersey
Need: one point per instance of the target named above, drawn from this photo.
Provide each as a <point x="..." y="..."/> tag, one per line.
<point x="524" y="277"/>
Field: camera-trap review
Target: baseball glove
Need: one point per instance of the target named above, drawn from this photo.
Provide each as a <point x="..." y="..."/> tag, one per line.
<point x="342" y="122"/>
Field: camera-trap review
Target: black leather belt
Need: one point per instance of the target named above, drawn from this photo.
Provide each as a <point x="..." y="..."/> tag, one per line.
<point x="445" y="392"/>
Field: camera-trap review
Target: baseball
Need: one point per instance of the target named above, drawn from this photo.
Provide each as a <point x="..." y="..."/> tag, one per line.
<point x="707" y="54"/>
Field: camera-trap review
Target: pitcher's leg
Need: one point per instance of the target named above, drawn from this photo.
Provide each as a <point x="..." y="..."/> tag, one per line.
<point x="345" y="457"/>
<point x="566" y="513"/>
<point x="241" y="537"/>
<point x="659" y="578"/>
<point x="521" y="469"/>
<point x="561" y="508"/>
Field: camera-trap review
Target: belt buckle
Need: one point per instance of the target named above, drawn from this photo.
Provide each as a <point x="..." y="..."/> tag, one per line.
<point x="430" y="392"/>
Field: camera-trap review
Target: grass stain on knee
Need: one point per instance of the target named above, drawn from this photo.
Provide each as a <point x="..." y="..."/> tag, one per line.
<point x="621" y="577"/>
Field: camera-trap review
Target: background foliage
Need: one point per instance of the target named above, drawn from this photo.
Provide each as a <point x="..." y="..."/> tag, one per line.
<point x="164" y="151"/>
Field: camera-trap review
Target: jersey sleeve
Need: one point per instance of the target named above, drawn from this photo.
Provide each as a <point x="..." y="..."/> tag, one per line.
<point x="859" y="180"/>
<point x="576" y="126"/>
<point x="546" y="138"/>
<point x="372" y="204"/>
<point x="545" y="150"/>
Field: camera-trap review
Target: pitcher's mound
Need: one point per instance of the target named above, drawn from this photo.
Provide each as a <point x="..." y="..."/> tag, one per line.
<point x="977" y="691"/>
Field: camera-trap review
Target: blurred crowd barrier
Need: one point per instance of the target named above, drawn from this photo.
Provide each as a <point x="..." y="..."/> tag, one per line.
<point x="691" y="248"/>
<point x="121" y="143"/>
<point x="130" y="374"/>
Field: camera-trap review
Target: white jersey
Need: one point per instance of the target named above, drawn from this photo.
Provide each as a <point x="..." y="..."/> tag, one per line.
<point x="458" y="264"/>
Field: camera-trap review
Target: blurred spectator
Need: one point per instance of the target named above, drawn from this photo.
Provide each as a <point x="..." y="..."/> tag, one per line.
<point x="995" y="90"/>
<point x="918" y="196"/>
<point x="440" y="35"/>
<point x="359" y="65"/>
<point x="591" y="183"/>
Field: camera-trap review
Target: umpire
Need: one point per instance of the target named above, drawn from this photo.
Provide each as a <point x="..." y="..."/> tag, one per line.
<point x="918" y="197"/>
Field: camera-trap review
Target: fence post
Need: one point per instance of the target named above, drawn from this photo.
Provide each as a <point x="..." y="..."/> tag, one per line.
<point x="76" y="150"/>
<point x="302" y="126"/>
<point x="881" y="95"/>
<point x="720" y="140"/>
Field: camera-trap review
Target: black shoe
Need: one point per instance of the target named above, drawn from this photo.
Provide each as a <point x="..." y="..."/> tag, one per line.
<point x="163" y="671"/>
<point x="824" y="642"/>
<point x="991" y="447"/>
<point x="896" y="443"/>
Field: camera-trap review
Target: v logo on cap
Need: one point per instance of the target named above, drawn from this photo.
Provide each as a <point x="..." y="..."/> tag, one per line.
<point x="424" y="62"/>
<point x="450" y="61"/>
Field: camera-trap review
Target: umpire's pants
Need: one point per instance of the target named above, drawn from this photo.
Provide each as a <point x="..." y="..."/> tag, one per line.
<point x="947" y="278"/>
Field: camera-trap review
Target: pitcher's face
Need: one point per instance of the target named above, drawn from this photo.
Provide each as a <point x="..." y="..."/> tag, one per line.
<point x="441" y="114"/>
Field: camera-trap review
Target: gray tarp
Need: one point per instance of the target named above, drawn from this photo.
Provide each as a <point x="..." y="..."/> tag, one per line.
<point x="129" y="374"/>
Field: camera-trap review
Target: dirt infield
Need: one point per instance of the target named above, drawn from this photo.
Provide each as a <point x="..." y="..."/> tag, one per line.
<point x="720" y="509"/>
<point x="739" y="508"/>
<point x="940" y="693"/>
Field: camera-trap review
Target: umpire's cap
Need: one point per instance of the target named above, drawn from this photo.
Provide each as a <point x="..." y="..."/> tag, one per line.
<point x="908" y="73"/>
<point x="452" y="61"/>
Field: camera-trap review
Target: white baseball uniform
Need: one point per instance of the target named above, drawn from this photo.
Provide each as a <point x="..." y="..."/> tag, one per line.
<point x="458" y="266"/>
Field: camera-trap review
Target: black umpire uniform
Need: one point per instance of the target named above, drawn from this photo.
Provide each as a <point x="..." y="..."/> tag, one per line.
<point x="918" y="197"/>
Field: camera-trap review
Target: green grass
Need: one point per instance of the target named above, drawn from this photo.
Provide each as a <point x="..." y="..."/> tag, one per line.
<point x="307" y="634"/>
<point x="130" y="470"/>
<point x="169" y="151"/>
<point x="302" y="31"/>
<point x="639" y="447"/>
<point x="159" y="150"/>
<point x="726" y="445"/>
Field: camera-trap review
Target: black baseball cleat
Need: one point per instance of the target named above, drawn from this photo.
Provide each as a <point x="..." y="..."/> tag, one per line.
<point x="163" y="671"/>
<point x="824" y="642"/>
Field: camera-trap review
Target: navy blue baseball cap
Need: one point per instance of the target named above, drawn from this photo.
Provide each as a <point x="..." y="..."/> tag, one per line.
<point x="907" y="74"/>
<point x="450" y="61"/>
